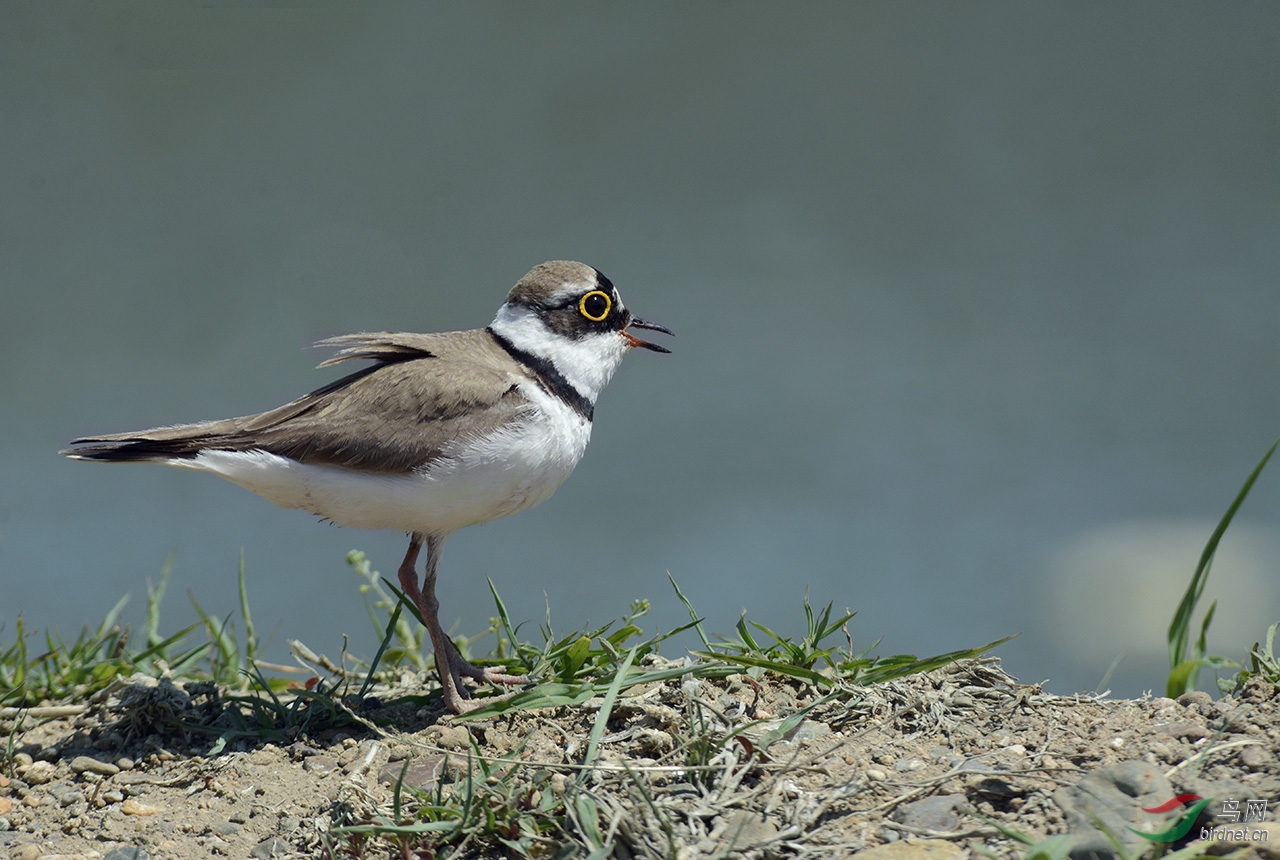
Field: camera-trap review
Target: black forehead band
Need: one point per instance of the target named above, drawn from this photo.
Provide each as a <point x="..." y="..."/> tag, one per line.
<point x="601" y="281"/>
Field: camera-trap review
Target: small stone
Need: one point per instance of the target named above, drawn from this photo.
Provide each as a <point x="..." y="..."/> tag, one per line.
<point x="916" y="849"/>
<point x="29" y="851"/>
<point x="238" y="817"/>
<point x="88" y="764"/>
<point x="131" y="853"/>
<point x="133" y="807"/>
<point x="455" y="738"/>
<point x="301" y="750"/>
<point x="125" y="763"/>
<point x="38" y="773"/>
<point x="422" y="773"/>
<point x="744" y="830"/>
<point x="932" y="813"/>
<point x="228" y="829"/>
<point x="272" y="846"/>
<point x="320" y="765"/>
<point x="1186" y="731"/>
<point x="1195" y="697"/>
<point x="66" y="795"/>
<point x="876" y="773"/>
<point x="1256" y="757"/>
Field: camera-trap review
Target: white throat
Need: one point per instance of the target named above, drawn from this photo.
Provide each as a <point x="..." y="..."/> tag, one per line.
<point x="587" y="363"/>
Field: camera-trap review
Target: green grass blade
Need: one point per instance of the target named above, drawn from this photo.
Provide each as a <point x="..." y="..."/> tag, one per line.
<point x="386" y="640"/>
<point x="154" y="596"/>
<point x="507" y="628"/>
<point x="788" y="669"/>
<point x="250" y="638"/>
<point x="602" y="717"/>
<point x="1180" y="626"/>
<point x="693" y="615"/>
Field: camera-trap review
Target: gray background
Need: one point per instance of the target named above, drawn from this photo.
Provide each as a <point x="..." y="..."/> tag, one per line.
<point x="977" y="304"/>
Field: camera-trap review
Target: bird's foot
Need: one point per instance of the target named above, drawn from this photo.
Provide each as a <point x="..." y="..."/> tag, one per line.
<point x="492" y="675"/>
<point x="453" y="668"/>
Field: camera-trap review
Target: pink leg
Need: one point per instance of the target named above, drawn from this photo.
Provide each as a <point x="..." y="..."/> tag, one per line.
<point x="449" y="661"/>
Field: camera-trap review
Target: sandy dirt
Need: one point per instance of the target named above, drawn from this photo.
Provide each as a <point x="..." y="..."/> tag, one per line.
<point x="928" y="766"/>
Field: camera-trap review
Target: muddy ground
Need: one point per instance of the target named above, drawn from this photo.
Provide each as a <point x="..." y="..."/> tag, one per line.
<point x="930" y="766"/>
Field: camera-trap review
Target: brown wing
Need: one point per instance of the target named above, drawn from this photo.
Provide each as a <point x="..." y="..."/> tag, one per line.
<point x="424" y="391"/>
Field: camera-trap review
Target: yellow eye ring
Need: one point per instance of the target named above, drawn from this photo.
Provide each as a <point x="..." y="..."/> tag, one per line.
<point x="593" y="308"/>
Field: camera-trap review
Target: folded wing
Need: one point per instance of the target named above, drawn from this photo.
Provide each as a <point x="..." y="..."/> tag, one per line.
<point x="423" y="392"/>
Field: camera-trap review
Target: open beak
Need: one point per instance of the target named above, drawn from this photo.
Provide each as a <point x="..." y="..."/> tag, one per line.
<point x="652" y="326"/>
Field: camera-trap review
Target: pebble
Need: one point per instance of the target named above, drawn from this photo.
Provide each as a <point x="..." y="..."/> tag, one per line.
<point x="29" y="851"/>
<point x="423" y="772"/>
<point x="88" y="764"/>
<point x="130" y="853"/>
<point x="1255" y="757"/>
<point x="1195" y="697"/>
<point x="262" y="757"/>
<point x="916" y="849"/>
<point x="319" y="765"/>
<point x="931" y="813"/>
<point x="38" y="773"/>
<point x="272" y="846"/>
<point x="125" y="763"/>
<point x="66" y="795"/>
<point x="301" y="750"/>
<point x="455" y="738"/>
<point x="133" y="807"/>
<point x="1186" y="731"/>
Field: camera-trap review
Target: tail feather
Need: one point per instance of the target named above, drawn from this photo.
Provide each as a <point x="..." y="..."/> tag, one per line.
<point x="139" y="451"/>
<point x="161" y="443"/>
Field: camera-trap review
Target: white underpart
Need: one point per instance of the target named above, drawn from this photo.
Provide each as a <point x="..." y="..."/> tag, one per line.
<point x="587" y="363"/>
<point x="480" y="480"/>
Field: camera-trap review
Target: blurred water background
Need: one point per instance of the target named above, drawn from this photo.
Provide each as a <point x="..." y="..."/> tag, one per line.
<point x="977" y="304"/>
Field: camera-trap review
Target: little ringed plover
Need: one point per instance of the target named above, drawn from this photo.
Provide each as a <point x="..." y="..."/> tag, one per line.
<point x="441" y="431"/>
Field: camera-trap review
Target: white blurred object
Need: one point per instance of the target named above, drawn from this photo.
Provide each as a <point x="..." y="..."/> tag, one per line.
<point x="1113" y="590"/>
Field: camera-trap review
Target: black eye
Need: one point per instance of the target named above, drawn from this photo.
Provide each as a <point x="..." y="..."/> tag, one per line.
<point x="595" y="305"/>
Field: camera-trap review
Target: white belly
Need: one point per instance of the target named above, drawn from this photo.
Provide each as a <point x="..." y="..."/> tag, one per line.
<point x="477" y="482"/>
